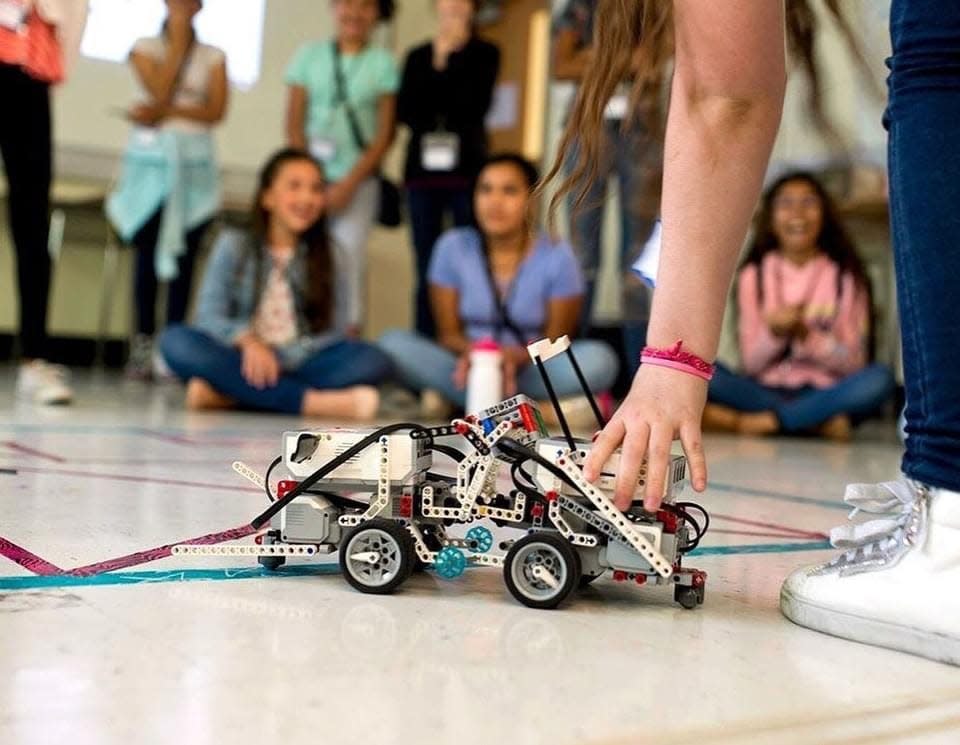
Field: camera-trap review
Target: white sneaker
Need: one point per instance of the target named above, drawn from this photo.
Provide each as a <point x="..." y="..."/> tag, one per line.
<point x="42" y="383"/>
<point x="898" y="583"/>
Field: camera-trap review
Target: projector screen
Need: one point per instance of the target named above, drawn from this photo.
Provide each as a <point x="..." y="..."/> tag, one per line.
<point x="235" y="26"/>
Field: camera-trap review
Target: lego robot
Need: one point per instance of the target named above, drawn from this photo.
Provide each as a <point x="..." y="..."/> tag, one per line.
<point x="374" y="497"/>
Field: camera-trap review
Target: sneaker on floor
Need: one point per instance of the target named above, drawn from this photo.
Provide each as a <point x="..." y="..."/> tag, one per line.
<point x="140" y="362"/>
<point x="42" y="383"/>
<point x="896" y="583"/>
<point x="434" y="407"/>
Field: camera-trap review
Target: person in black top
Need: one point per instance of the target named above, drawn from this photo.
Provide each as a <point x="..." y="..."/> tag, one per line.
<point x="445" y="93"/>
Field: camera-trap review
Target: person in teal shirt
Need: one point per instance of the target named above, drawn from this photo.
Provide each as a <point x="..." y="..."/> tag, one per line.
<point x="328" y="81"/>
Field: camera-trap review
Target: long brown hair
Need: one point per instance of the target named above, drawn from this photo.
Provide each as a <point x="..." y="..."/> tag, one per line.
<point x="645" y="28"/>
<point x="834" y="241"/>
<point x="318" y="294"/>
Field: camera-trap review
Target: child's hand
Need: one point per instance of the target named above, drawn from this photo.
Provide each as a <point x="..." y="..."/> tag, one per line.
<point x="662" y="403"/>
<point x="461" y="371"/>
<point x="147" y="114"/>
<point x="784" y="321"/>
<point x="261" y="369"/>
<point x="339" y="196"/>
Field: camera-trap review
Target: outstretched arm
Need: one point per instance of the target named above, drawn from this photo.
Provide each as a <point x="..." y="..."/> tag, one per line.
<point x="725" y="108"/>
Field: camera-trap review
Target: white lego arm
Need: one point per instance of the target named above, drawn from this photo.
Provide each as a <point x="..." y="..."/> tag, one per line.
<point x="546" y="349"/>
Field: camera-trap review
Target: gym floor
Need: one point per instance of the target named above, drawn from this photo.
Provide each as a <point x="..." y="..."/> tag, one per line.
<point x="215" y="650"/>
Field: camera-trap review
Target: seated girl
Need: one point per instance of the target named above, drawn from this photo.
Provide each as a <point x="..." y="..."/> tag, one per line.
<point x="805" y="326"/>
<point x="500" y="281"/>
<point x="271" y="316"/>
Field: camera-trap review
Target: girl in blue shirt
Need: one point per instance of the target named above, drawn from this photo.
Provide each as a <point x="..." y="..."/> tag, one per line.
<point x="271" y="326"/>
<point x="501" y="262"/>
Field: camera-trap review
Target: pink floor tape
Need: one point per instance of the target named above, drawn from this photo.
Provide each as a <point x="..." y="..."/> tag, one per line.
<point x="43" y="568"/>
<point x="783" y="529"/>
<point x="24" y="450"/>
<point x="29" y="561"/>
<point x="161" y="552"/>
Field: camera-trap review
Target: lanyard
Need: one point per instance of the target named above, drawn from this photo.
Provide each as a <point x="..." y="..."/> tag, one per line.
<point x="503" y="319"/>
<point x="341" y="92"/>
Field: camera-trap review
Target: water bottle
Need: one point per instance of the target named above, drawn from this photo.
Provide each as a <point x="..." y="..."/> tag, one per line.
<point x="485" y="379"/>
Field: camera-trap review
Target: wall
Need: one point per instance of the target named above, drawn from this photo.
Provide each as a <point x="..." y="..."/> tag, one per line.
<point x="89" y="140"/>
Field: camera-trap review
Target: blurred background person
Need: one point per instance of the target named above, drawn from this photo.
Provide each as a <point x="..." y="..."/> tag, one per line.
<point x="169" y="188"/>
<point x="39" y="41"/>
<point x="445" y="95"/>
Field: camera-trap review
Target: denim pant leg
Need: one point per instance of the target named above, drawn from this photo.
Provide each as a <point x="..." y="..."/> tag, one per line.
<point x="857" y="395"/>
<point x="586" y="233"/>
<point x="924" y="162"/>
<point x="179" y="288"/>
<point x="420" y="363"/>
<point x="741" y="392"/>
<point x="344" y="364"/>
<point x="597" y="361"/>
<point x="191" y="353"/>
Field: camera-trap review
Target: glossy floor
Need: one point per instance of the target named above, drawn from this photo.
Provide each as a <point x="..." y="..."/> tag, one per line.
<point x="202" y="650"/>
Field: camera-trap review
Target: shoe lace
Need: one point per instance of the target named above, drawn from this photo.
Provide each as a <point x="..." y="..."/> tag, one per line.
<point x="881" y="540"/>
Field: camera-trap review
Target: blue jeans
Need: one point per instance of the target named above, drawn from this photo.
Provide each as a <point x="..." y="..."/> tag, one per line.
<point x="857" y="395"/>
<point x="421" y="363"/>
<point x="635" y="158"/>
<point x="193" y="354"/>
<point x="924" y="163"/>
<point x="428" y="207"/>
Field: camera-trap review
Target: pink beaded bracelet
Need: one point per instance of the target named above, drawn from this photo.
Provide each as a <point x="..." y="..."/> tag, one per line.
<point x="676" y="359"/>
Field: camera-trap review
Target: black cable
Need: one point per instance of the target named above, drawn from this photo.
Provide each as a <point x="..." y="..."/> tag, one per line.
<point x="680" y="510"/>
<point x="264" y="517"/>
<point x="528" y="489"/>
<point x="522" y="451"/>
<point x="700" y="509"/>
<point x="266" y="479"/>
<point x="555" y="401"/>
<point x="601" y="422"/>
<point x="450" y="452"/>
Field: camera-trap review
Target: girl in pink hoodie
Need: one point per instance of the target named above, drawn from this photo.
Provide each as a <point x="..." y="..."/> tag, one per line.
<point x="804" y="324"/>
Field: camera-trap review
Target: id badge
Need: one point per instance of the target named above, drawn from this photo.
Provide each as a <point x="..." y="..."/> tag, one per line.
<point x="440" y="151"/>
<point x="12" y="14"/>
<point x="617" y="107"/>
<point x="146" y="137"/>
<point x="323" y="149"/>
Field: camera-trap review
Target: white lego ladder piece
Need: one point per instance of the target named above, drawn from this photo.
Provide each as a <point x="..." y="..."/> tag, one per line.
<point x="609" y="511"/>
<point x="276" y="549"/>
<point x="546" y="349"/>
<point x="577" y="539"/>
<point x="382" y="497"/>
<point x="420" y="545"/>
<point x="248" y="473"/>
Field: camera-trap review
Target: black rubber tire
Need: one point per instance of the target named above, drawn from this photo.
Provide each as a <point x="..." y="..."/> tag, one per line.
<point x="558" y="549"/>
<point x="399" y="544"/>
<point x="271" y="563"/>
<point x="688" y="597"/>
